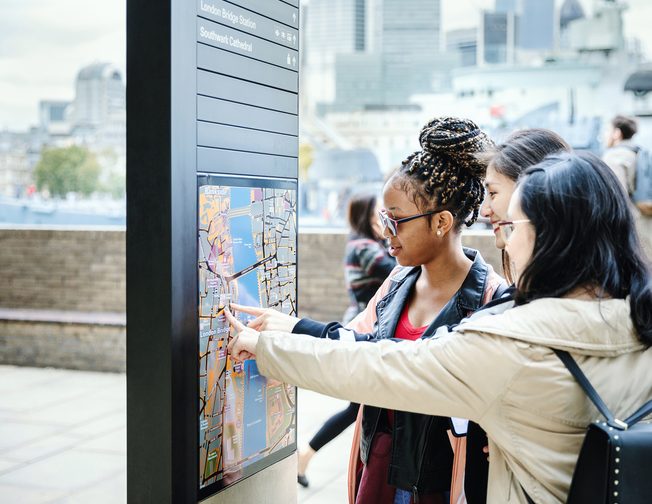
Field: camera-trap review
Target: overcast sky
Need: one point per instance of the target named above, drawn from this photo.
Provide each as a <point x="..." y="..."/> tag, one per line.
<point x="44" y="43"/>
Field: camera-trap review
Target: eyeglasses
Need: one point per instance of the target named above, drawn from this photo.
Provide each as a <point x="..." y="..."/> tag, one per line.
<point x="392" y="224"/>
<point x="507" y="227"/>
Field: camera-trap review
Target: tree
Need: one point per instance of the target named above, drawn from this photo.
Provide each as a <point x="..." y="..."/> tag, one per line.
<point x="305" y="160"/>
<point x="69" y="169"/>
<point x="115" y="185"/>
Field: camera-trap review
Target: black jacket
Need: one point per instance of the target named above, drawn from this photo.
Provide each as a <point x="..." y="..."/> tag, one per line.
<point x="476" y="471"/>
<point x="421" y="459"/>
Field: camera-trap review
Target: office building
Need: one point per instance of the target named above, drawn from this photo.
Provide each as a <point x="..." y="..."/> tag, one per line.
<point x="464" y="44"/>
<point x="536" y="25"/>
<point x="370" y="53"/>
<point x="99" y="96"/>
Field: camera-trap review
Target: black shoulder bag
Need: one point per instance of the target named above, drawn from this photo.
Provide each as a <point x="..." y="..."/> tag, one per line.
<point x="615" y="462"/>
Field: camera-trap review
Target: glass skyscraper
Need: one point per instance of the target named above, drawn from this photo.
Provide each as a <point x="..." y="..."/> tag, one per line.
<point x="372" y="52"/>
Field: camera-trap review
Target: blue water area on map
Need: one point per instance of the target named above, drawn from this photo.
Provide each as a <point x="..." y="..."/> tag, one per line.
<point x="240" y="197"/>
<point x="244" y="256"/>
<point x="255" y="410"/>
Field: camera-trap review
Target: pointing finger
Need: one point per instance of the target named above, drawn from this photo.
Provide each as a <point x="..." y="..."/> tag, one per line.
<point x="229" y="347"/>
<point x="239" y="326"/>
<point x="257" y="323"/>
<point x="251" y="310"/>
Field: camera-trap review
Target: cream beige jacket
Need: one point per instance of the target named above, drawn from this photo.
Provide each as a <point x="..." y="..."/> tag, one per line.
<point x="498" y="371"/>
<point x="622" y="160"/>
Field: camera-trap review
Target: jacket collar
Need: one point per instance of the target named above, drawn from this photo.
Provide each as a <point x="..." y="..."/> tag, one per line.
<point x="596" y="328"/>
<point x="471" y="292"/>
<point x="467" y="299"/>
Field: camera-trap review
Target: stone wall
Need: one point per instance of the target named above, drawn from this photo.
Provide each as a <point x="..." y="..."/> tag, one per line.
<point x="322" y="293"/>
<point x="62" y="298"/>
<point x="87" y="346"/>
<point x="62" y="292"/>
<point x="63" y="269"/>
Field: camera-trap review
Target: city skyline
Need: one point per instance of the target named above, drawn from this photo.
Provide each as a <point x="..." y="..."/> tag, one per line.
<point x="70" y="36"/>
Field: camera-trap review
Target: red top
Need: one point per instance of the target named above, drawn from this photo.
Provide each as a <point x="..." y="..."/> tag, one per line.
<point x="374" y="488"/>
<point x="405" y="330"/>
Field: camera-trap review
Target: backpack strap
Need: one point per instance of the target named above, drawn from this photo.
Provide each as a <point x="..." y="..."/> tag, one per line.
<point x="640" y="413"/>
<point x="592" y="394"/>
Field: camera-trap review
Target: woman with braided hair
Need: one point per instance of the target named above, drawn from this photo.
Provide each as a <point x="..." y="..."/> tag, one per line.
<point x="437" y="190"/>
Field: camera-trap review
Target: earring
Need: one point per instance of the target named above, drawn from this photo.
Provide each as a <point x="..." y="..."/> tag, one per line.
<point x="439" y="232"/>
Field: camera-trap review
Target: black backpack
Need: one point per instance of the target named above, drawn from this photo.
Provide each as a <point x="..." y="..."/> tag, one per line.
<point x="615" y="462"/>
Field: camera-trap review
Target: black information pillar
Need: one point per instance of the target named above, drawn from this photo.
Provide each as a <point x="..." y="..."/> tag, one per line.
<point x="212" y="89"/>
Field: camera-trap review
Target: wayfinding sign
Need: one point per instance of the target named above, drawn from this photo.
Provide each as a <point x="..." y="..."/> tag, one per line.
<point x="247" y="77"/>
<point x="247" y="106"/>
<point x="246" y="254"/>
<point x="213" y="125"/>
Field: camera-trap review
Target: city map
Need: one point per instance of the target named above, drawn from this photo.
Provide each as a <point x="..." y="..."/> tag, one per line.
<point x="247" y="255"/>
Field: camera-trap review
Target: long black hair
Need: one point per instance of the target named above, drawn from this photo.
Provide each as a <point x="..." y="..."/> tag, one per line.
<point x="585" y="236"/>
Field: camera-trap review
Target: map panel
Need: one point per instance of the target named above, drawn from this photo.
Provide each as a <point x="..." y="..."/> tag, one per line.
<point x="246" y="255"/>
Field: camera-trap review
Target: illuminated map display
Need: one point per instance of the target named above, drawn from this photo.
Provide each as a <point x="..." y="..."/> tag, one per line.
<point x="246" y="255"/>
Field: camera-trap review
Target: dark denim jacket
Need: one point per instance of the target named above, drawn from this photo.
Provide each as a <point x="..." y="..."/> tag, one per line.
<point x="421" y="459"/>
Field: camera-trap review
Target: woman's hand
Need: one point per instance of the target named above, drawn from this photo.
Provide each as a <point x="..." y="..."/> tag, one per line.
<point x="243" y="344"/>
<point x="267" y="319"/>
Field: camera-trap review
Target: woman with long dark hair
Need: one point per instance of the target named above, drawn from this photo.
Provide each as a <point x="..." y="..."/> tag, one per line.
<point x="583" y="285"/>
<point x="505" y="163"/>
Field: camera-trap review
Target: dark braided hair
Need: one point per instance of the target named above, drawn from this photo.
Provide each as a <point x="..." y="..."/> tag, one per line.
<point x="447" y="172"/>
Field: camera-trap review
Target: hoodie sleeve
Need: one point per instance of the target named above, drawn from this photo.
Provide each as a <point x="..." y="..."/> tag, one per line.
<point x="332" y="330"/>
<point x="361" y="328"/>
<point x="455" y="375"/>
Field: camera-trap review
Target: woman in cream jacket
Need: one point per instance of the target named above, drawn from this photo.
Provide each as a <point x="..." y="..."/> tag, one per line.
<point x="583" y="286"/>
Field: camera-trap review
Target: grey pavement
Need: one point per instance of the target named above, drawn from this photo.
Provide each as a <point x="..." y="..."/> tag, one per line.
<point x="63" y="439"/>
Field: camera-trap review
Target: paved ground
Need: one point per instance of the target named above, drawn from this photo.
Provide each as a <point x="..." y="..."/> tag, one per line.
<point x="63" y="439"/>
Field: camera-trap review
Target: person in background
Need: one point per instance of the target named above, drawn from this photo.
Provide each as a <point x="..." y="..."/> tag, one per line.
<point x="367" y="262"/>
<point x="367" y="265"/>
<point x="621" y="151"/>
<point x="622" y="156"/>
<point x="583" y="286"/>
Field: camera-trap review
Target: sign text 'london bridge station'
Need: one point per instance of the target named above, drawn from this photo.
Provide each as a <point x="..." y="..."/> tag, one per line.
<point x="237" y="29"/>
